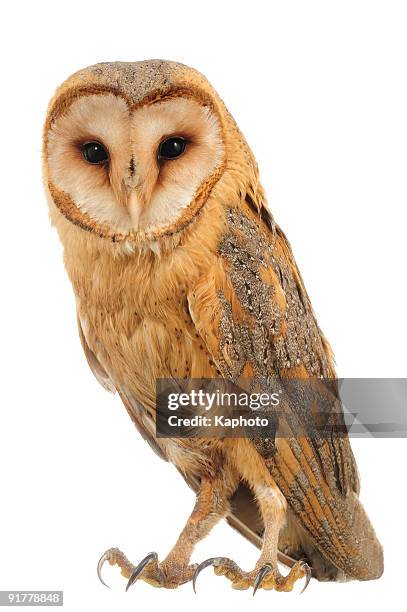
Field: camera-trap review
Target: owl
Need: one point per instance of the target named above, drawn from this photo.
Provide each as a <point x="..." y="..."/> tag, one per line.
<point x="180" y="272"/>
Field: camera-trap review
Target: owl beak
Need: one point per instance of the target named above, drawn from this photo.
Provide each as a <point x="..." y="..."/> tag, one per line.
<point x="135" y="208"/>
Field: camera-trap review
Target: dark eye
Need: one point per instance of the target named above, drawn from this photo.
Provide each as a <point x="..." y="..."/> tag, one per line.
<point x="94" y="153"/>
<point x="172" y="147"/>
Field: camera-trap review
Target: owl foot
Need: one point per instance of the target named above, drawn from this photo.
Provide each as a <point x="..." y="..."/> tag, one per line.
<point x="267" y="577"/>
<point x="165" y="575"/>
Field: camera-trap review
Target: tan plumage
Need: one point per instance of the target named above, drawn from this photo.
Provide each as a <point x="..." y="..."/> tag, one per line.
<point x="180" y="271"/>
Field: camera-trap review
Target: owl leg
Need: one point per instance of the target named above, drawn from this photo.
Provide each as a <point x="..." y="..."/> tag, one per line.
<point x="211" y="505"/>
<point x="266" y="573"/>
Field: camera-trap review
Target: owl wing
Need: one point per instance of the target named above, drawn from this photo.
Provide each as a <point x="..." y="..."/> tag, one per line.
<point x="254" y="314"/>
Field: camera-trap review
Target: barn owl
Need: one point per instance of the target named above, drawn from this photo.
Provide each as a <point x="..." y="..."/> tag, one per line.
<point x="180" y="271"/>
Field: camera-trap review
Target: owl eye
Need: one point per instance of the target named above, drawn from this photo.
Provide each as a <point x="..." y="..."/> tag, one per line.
<point x="172" y="147"/>
<point x="94" y="152"/>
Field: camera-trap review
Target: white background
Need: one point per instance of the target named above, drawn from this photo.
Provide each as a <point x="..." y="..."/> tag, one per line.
<point x="319" y="89"/>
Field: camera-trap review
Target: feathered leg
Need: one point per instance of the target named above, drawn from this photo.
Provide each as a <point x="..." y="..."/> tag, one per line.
<point x="211" y="505"/>
<point x="266" y="573"/>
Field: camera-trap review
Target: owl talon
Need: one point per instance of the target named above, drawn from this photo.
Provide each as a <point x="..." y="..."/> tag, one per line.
<point x="267" y="577"/>
<point x="166" y="574"/>
<point x="101" y="563"/>
<point x="114" y="556"/>
<point x="263" y="572"/>
<point x="215" y="562"/>
<point x="307" y="570"/>
<point x="137" y="571"/>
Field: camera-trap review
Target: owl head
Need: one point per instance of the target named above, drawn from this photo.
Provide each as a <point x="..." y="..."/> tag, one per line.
<point x="134" y="151"/>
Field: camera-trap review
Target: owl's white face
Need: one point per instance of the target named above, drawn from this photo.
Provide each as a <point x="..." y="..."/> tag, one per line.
<point x="134" y="170"/>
